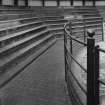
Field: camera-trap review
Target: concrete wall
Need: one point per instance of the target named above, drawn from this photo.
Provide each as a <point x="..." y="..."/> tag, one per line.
<point x="77" y="3"/>
<point x="65" y="3"/>
<point x="35" y="3"/>
<point x="50" y="3"/>
<point x="21" y="2"/>
<point x="11" y="2"/>
<point x="88" y="3"/>
<point x="53" y="3"/>
<point x="100" y="3"/>
<point x="8" y="2"/>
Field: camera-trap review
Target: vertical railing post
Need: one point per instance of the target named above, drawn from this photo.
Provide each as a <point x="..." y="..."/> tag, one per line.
<point x="84" y="30"/>
<point x="102" y="30"/>
<point x="16" y="2"/>
<point x="96" y="75"/>
<point x="58" y="3"/>
<point x="70" y="30"/>
<point x="65" y="54"/>
<point x="94" y="2"/>
<point x="72" y="2"/>
<point x="1" y="1"/>
<point x="43" y="3"/>
<point x="71" y="49"/>
<point x="83" y="2"/>
<point x="26" y="3"/>
<point x="90" y="68"/>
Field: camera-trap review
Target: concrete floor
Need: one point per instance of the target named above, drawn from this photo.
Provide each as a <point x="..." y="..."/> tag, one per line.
<point x="41" y="83"/>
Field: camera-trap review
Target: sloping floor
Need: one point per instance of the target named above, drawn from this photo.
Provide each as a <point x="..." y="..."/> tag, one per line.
<point x="41" y="83"/>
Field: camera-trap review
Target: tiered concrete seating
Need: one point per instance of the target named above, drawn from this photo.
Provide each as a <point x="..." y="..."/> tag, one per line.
<point x="101" y="10"/>
<point x="84" y="18"/>
<point x="14" y="9"/>
<point x="56" y="25"/>
<point x="89" y="19"/>
<point x="54" y="19"/>
<point x="21" y="37"/>
<point x="25" y="35"/>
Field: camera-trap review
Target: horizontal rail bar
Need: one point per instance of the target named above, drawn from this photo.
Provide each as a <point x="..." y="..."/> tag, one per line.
<point x="101" y="50"/>
<point x="67" y="32"/>
<point x="102" y="82"/>
<point x="76" y="79"/>
<point x="75" y="60"/>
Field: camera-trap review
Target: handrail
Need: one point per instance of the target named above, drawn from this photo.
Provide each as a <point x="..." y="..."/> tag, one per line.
<point x="75" y="77"/>
<point x="102" y="50"/>
<point x="92" y="71"/>
<point x="72" y="36"/>
<point x="68" y="54"/>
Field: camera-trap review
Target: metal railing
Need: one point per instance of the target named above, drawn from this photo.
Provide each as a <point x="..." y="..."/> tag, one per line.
<point x="92" y="88"/>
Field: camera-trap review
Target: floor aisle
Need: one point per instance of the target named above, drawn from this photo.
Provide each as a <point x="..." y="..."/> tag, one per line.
<point x="42" y="83"/>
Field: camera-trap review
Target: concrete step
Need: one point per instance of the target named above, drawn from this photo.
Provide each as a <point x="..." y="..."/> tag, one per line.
<point x="18" y="28"/>
<point x="20" y="66"/>
<point x="20" y="42"/>
<point x="7" y="61"/>
<point x="20" y="35"/>
<point x="9" y="16"/>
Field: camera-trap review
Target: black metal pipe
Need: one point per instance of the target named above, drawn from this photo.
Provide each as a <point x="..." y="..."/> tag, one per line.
<point x="58" y="3"/>
<point x="94" y="2"/>
<point x="83" y="2"/>
<point x="74" y="39"/>
<point x="90" y="70"/>
<point x="72" y="2"/>
<point x="15" y="2"/>
<point x="96" y="76"/>
<point x="43" y="4"/>
<point x="84" y="30"/>
<point x="65" y="55"/>
<point x="26" y="3"/>
<point x="1" y="2"/>
<point x="102" y="30"/>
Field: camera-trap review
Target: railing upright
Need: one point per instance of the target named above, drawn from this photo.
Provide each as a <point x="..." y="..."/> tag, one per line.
<point x="90" y="69"/>
<point x="71" y="49"/>
<point x="92" y="65"/>
<point x="70" y="28"/>
<point x="102" y="30"/>
<point x="97" y="75"/>
<point x="65" y="54"/>
<point x="84" y="30"/>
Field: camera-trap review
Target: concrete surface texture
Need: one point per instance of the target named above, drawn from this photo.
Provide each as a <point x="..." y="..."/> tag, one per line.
<point x="41" y="83"/>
